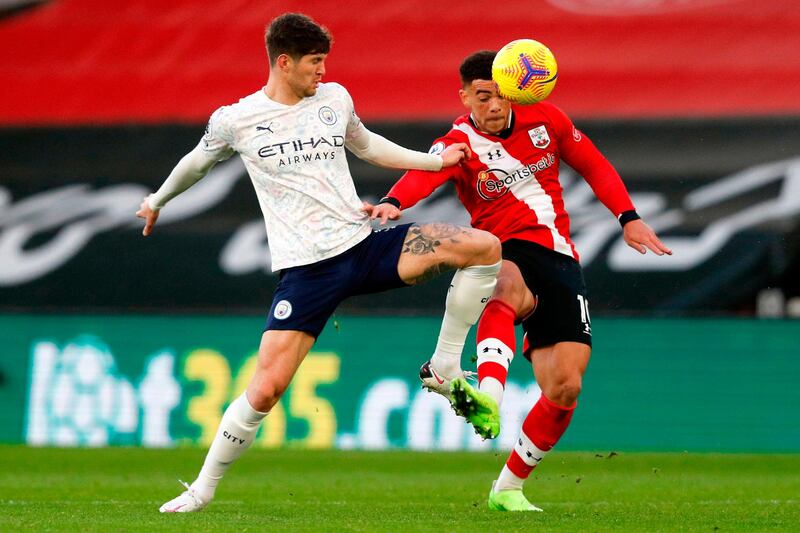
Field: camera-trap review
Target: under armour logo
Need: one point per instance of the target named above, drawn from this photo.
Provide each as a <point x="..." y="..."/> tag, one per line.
<point x="268" y="127"/>
<point x="498" y="350"/>
<point x="494" y="154"/>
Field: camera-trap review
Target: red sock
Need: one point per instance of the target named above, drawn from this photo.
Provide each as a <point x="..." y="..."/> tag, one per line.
<point x="541" y="430"/>
<point x="496" y="341"/>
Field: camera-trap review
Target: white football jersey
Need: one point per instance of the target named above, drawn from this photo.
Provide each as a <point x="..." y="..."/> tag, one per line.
<point x="295" y="156"/>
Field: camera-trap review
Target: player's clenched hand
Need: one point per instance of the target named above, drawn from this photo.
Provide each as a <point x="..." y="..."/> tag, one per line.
<point x="640" y="237"/>
<point x="455" y="154"/>
<point x="149" y="215"/>
<point x="382" y="211"/>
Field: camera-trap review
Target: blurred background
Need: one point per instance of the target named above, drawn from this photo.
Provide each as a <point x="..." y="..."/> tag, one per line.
<point x="110" y="338"/>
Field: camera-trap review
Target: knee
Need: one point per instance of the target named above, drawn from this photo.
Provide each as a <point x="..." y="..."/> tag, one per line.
<point x="264" y="395"/>
<point x="266" y="387"/>
<point x="566" y="392"/>
<point x="511" y="293"/>
<point x="486" y="249"/>
<point x="494" y="250"/>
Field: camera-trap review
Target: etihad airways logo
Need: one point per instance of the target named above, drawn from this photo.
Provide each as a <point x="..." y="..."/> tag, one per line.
<point x="300" y="145"/>
<point x="495" y="182"/>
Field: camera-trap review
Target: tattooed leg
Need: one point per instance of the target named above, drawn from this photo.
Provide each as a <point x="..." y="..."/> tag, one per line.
<point x="425" y="240"/>
<point x="432" y="249"/>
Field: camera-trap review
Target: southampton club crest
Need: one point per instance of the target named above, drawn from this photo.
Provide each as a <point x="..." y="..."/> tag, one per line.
<point x="539" y="137"/>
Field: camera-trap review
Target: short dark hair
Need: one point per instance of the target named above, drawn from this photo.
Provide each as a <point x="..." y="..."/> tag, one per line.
<point x="296" y="35"/>
<point x="477" y="66"/>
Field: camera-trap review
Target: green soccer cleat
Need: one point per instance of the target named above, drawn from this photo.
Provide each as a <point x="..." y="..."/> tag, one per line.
<point x="477" y="407"/>
<point x="509" y="500"/>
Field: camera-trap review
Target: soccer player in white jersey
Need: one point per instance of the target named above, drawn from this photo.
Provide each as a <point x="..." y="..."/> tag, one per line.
<point x="291" y="136"/>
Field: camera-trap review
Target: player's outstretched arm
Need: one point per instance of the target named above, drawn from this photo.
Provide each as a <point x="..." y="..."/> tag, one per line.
<point x="382" y="152"/>
<point x="641" y="237"/>
<point x="189" y="170"/>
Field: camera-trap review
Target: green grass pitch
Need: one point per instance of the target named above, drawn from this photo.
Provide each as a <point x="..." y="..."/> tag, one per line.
<point x="120" y="489"/>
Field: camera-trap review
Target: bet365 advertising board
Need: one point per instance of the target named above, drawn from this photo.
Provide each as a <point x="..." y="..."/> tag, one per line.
<point x="155" y="381"/>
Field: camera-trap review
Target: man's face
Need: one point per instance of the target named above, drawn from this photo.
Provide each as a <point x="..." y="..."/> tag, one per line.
<point x="305" y="74"/>
<point x="489" y="110"/>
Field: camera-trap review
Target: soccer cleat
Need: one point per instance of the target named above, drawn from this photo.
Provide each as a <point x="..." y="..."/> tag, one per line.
<point x="187" y="502"/>
<point x="432" y="381"/>
<point x="509" y="500"/>
<point x="477" y="407"/>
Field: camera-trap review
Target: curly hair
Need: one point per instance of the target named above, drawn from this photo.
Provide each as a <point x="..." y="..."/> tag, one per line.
<point x="477" y="66"/>
<point x="296" y="35"/>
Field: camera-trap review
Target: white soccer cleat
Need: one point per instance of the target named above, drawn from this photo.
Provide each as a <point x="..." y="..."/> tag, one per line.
<point x="187" y="502"/>
<point x="434" y="382"/>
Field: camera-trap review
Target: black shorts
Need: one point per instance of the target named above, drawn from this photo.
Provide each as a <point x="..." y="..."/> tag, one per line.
<point x="306" y="296"/>
<point x="562" y="309"/>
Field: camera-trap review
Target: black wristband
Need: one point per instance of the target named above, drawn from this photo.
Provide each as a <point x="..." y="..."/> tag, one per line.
<point x="390" y="200"/>
<point x="628" y="216"/>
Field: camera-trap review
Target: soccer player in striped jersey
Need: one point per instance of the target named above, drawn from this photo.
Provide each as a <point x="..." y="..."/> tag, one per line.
<point x="511" y="188"/>
<point x="292" y="136"/>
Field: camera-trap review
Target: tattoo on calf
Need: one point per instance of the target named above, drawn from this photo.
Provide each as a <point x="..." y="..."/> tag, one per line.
<point x="424" y="239"/>
<point x="431" y="272"/>
<point x="441" y="230"/>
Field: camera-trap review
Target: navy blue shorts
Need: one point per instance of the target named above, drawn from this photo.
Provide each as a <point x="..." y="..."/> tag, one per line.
<point x="306" y="296"/>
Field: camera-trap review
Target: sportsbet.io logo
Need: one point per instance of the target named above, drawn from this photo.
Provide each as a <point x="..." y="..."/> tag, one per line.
<point x="489" y="186"/>
<point x="495" y="182"/>
<point x="283" y="310"/>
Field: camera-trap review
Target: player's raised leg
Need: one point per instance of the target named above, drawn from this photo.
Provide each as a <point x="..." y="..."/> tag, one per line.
<point x="559" y="371"/>
<point x="512" y="300"/>
<point x="496" y="342"/>
<point x="279" y="356"/>
<point x="428" y="251"/>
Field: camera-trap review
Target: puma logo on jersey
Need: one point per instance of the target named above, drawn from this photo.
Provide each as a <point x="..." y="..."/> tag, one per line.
<point x="268" y="127"/>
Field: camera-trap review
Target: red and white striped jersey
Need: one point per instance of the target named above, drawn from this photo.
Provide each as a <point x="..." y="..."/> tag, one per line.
<point x="510" y="187"/>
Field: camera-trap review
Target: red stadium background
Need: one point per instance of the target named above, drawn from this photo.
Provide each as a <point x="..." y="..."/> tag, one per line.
<point x="694" y="101"/>
<point x="148" y="61"/>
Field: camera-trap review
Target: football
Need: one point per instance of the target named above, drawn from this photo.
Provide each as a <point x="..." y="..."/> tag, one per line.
<point x="525" y="71"/>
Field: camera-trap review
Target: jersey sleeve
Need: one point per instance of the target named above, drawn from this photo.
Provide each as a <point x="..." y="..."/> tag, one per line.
<point x="353" y="121"/>
<point x="217" y="142"/>
<point x="579" y="152"/>
<point x="416" y="185"/>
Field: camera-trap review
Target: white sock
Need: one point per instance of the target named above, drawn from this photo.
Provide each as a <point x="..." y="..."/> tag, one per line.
<point x="492" y="350"/>
<point x="236" y="432"/>
<point x="530" y="454"/>
<point x="469" y="291"/>
<point x="508" y="481"/>
<point x="493" y="388"/>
